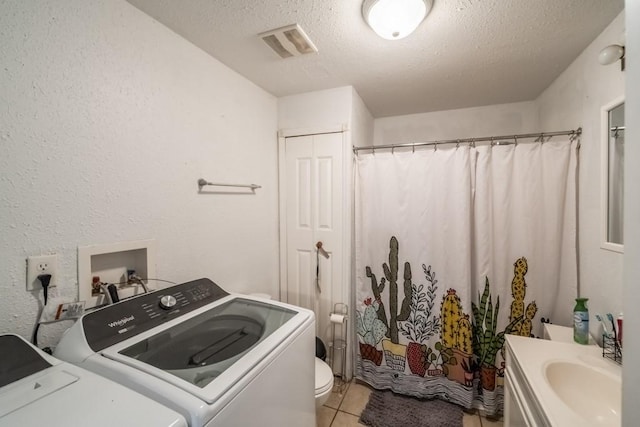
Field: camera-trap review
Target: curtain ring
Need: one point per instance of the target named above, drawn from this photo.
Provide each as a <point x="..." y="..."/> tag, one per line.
<point x="492" y="143"/>
<point x="458" y="144"/>
<point x="392" y="150"/>
<point x="472" y="143"/>
<point x="515" y="140"/>
<point x="435" y="147"/>
<point x="413" y="148"/>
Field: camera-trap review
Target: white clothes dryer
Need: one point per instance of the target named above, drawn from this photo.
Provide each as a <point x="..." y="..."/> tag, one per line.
<point x="38" y="390"/>
<point x="220" y="360"/>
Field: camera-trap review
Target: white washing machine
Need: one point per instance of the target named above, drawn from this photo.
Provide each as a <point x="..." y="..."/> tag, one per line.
<point x="218" y="359"/>
<point x="39" y="390"/>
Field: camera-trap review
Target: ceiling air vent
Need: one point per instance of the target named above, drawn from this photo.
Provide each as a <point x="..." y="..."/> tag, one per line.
<point x="289" y="41"/>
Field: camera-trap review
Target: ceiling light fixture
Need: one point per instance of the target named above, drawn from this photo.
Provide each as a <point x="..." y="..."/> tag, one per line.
<point x="395" y="19"/>
<point x="611" y="54"/>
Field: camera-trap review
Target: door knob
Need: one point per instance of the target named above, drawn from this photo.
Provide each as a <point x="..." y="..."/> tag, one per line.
<point x="321" y="250"/>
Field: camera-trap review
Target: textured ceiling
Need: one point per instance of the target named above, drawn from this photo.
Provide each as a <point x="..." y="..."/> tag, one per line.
<point x="466" y="53"/>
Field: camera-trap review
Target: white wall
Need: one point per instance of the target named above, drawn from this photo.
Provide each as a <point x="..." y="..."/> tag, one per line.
<point x="331" y="108"/>
<point x="361" y="122"/>
<point x="107" y="120"/>
<point x="631" y="370"/>
<point x="503" y="119"/>
<point x="318" y="109"/>
<point x="575" y="99"/>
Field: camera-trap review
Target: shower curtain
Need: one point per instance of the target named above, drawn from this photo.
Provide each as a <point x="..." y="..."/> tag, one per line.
<point x="454" y="249"/>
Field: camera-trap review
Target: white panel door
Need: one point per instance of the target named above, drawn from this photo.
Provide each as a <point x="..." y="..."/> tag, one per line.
<point x="314" y="184"/>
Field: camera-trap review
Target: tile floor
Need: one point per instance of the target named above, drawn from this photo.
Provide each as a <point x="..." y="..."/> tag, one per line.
<point x="343" y="410"/>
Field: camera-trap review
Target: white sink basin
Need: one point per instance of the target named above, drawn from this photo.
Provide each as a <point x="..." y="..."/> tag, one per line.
<point x="592" y="394"/>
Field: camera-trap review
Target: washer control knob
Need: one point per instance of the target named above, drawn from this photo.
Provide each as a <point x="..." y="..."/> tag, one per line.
<point x="167" y="302"/>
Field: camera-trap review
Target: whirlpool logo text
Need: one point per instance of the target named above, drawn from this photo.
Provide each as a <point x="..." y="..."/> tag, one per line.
<point x="121" y="322"/>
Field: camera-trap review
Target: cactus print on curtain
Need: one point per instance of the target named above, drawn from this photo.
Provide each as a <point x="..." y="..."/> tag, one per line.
<point x="442" y="277"/>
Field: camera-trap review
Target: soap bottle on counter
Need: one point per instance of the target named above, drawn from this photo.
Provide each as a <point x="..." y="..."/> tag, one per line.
<point x="581" y="321"/>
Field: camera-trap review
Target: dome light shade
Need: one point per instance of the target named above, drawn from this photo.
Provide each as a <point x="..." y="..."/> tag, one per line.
<point x="395" y="19"/>
<point x="611" y="54"/>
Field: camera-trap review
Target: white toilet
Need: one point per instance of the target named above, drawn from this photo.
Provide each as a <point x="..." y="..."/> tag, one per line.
<point x="324" y="375"/>
<point x="324" y="382"/>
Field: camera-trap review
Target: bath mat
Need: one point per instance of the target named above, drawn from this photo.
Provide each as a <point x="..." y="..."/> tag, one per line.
<point x="387" y="409"/>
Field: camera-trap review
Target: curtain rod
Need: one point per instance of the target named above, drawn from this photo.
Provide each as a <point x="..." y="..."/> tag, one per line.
<point x="574" y="133"/>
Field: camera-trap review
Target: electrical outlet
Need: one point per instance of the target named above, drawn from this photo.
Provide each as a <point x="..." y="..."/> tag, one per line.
<point x="41" y="264"/>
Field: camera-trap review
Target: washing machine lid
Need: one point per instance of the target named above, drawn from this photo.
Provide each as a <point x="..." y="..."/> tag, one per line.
<point x="202" y="347"/>
<point x="38" y="389"/>
<point x="208" y="351"/>
<point x="18" y="360"/>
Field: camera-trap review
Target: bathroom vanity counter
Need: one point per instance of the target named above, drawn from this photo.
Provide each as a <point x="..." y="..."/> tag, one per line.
<point x="560" y="384"/>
